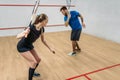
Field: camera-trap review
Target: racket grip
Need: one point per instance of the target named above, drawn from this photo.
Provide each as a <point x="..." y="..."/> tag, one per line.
<point x="33" y="18"/>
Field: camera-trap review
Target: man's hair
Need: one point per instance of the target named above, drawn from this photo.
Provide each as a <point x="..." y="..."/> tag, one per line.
<point x="63" y="8"/>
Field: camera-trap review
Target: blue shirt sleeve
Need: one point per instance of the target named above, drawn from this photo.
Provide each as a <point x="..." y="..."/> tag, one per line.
<point x="65" y="18"/>
<point x="77" y="13"/>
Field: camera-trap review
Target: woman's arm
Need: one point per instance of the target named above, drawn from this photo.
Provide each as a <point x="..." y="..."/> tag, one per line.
<point x="26" y="32"/>
<point x="23" y="34"/>
<point x="45" y="43"/>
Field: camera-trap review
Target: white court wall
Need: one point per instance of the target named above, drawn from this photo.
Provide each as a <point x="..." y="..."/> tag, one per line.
<point x="102" y="18"/>
<point x="19" y="16"/>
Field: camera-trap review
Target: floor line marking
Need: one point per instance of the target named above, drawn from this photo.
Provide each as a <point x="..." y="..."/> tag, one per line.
<point x="95" y="71"/>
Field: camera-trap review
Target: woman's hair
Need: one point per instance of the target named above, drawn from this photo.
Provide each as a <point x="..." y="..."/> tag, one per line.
<point x="40" y="18"/>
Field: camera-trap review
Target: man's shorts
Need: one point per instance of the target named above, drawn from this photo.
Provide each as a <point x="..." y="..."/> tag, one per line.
<point x="75" y="35"/>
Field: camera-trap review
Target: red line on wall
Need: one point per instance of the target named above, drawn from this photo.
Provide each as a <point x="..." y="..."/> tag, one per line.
<point x="42" y="5"/>
<point x="93" y="72"/>
<point x="11" y="28"/>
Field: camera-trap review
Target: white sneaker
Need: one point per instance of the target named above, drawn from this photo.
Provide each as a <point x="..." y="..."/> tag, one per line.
<point x="72" y="54"/>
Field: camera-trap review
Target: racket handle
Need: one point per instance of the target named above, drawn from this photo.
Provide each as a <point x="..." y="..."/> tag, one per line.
<point x="33" y="18"/>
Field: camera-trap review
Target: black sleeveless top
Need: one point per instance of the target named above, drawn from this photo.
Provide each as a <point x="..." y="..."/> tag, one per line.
<point x="33" y="35"/>
<point x="25" y="44"/>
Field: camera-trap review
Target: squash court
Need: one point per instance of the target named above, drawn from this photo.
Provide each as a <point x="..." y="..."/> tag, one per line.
<point x="99" y="58"/>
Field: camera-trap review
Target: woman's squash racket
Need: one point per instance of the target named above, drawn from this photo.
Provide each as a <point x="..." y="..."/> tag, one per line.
<point x="37" y="2"/>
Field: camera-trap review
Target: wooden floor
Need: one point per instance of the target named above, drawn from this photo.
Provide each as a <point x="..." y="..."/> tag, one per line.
<point x="99" y="59"/>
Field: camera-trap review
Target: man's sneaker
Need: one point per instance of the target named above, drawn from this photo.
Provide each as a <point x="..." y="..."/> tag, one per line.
<point x="36" y="74"/>
<point x="72" y="54"/>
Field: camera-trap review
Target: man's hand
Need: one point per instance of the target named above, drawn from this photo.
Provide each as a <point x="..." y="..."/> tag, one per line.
<point x="68" y="15"/>
<point x="83" y="24"/>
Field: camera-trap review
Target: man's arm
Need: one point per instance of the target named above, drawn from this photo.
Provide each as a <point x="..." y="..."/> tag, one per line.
<point x="67" y="21"/>
<point x="82" y="20"/>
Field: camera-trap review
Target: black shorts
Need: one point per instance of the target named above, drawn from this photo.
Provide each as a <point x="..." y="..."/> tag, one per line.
<point x="75" y="35"/>
<point x="23" y="47"/>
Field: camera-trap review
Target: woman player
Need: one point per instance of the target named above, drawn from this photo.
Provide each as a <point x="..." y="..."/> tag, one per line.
<point x="30" y="35"/>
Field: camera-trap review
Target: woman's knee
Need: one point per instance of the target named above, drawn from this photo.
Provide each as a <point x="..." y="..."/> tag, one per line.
<point x="38" y="60"/>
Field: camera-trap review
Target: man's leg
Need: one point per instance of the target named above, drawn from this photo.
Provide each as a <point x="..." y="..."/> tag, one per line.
<point x="73" y="47"/>
<point x="78" y="48"/>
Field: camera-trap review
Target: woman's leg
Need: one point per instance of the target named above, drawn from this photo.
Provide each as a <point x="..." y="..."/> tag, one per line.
<point x="34" y="53"/>
<point x="30" y="58"/>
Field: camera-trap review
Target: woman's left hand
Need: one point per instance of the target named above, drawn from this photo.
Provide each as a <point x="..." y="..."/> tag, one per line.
<point x="52" y="51"/>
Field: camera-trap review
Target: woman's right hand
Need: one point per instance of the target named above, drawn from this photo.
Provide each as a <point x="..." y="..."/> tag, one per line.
<point x="27" y="32"/>
<point x="23" y="34"/>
